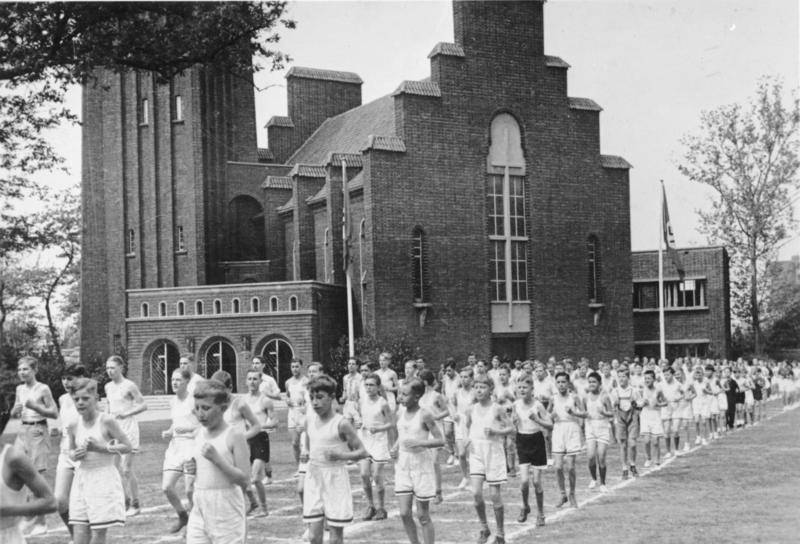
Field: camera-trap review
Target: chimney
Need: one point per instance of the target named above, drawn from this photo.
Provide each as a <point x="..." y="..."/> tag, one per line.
<point x="499" y="29"/>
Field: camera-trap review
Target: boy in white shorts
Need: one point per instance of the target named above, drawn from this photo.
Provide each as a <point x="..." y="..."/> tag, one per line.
<point x="221" y="468"/>
<point x="700" y="405"/>
<point x="461" y="404"/>
<point x="418" y="436"/>
<point x="388" y="379"/>
<point x="65" y="468"/>
<point x="331" y="442"/>
<point x="650" y="425"/>
<point x="684" y="410"/>
<point x="487" y="425"/>
<point x="567" y="412"/>
<point x="670" y="414"/>
<point x="375" y="421"/>
<point x="296" y="403"/>
<point x="124" y="402"/>
<point x="351" y="386"/>
<point x="436" y="405"/>
<point x="598" y="429"/>
<point x="96" y="499"/>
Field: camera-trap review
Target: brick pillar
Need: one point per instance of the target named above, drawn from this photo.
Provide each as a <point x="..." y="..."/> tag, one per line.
<point x="306" y="182"/>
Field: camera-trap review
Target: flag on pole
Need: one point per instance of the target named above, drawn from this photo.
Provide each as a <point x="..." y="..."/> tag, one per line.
<point x="669" y="236"/>
<point x="345" y="220"/>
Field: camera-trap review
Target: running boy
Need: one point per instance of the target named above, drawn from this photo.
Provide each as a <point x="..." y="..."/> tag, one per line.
<point x="418" y="436"/>
<point x="376" y="420"/>
<point x="529" y="418"/>
<point x="296" y="403"/>
<point x="462" y="402"/>
<point x="261" y="407"/>
<point x="436" y="405"/>
<point x="65" y="467"/>
<point x="598" y="429"/>
<point x="652" y="429"/>
<point x="626" y="398"/>
<point x="567" y="411"/>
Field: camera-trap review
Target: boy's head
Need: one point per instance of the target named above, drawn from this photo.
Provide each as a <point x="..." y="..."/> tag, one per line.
<point x="525" y="385"/>
<point x="594" y="381"/>
<point x="410" y="392"/>
<point x="314" y="370"/>
<point x="187" y="362"/>
<point x="115" y="367"/>
<point x="253" y="380"/>
<point x="84" y="394"/>
<point x="352" y="365"/>
<point x="224" y="378"/>
<point x="27" y="367"/>
<point x="428" y="378"/>
<point x="71" y="373"/>
<point x="483" y="386"/>
<point x="562" y="381"/>
<point x="179" y="379"/>
<point x="321" y="390"/>
<point x="211" y="399"/>
<point x="372" y="383"/>
<point x="649" y="377"/>
<point x="296" y="367"/>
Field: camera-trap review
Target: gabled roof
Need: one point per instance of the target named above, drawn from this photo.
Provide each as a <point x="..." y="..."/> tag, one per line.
<point x="264" y="154"/>
<point x="347" y="132"/>
<point x="577" y="103"/>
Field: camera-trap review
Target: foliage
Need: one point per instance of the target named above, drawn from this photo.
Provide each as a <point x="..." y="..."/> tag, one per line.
<point x="749" y="156"/>
<point x="367" y="349"/>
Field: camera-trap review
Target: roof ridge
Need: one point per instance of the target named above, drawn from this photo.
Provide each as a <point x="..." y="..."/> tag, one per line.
<point x="307" y="72"/>
<point x="419" y="88"/>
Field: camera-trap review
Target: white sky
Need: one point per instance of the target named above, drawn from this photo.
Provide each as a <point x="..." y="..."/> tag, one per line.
<point x="653" y="65"/>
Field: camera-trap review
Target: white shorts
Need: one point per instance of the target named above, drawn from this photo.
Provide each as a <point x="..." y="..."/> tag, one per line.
<point x="670" y="411"/>
<point x="684" y="410"/>
<point x="179" y="451"/>
<point x="566" y="438"/>
<point x="376" y="444"/>
<point x="700" y="408"/>
<point x="96" y="498"/>
<point x="460" y="429"/>
<point x="713" y="406"/>
<point x="487" y="458"/>
<point x="327" y="495"/>
<point x="650" y="422"/>
<point x="722" y="403"/>
<point x="130" y="427"/>
<point x="350" y="410"/>
<point x="598" y="430"/>
<point x="414" y="475"/>
<point x="218" y="517"/>
<point x="65" y="463"/>
<point x="295" y="418"/>
<point x="749" y="400"/>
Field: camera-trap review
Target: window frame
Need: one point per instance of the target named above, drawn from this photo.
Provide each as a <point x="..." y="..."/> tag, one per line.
<point x="180" y="308"/>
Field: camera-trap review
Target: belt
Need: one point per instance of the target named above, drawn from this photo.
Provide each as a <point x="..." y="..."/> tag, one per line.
<point x="40" y="422"/>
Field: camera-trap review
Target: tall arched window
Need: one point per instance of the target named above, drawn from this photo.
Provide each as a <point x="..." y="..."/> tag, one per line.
<point x="293" y="303"/>
<point x="235" y="306"/>
<point x="180" y="308"/>
<point x="593" y="269"/>
<point x="419" y="265"/>
<point x="254" y="305"/>
<point x="145" y="310"/>
<point x="273" y="304"/>
<point x="198" y="307"/>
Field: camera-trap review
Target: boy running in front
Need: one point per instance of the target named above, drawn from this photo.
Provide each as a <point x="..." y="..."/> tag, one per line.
<point x="222" y="471"/>
<point x="567" y="411"/>
<point x="529" y="418"/>
<point x="376" y="420"/>
<point x="418" y="437"/>
<point x="262" y="408"/>
<point x="652" y="429"/>
<point x="487" y="425"/>
<point x="330" y="442"/>
<point x="626" y="397"/>
<point x="598" y="429"/>
<point x="436" y="405"/>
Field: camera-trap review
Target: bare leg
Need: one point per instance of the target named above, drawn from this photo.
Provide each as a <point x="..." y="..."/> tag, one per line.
<point x="425" y="522"/>
<point x="406" y="515"/>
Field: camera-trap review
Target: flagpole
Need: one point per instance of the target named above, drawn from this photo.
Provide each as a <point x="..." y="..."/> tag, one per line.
<point x="661" y="340"/>
<point x="346" y="254"/>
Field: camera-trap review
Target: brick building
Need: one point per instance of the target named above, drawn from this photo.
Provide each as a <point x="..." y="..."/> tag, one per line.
<point x="697" y="313"/>
<point x="483" y="216"/>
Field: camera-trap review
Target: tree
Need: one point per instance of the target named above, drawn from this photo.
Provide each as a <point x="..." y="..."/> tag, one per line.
<point x="47" y="47"/>
<point x="749" y="156"/>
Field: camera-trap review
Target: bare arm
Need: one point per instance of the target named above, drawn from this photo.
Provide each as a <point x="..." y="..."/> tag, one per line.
<point x="46" y="407"/>
<point x="23" y="470"/>
<point x="356" y="449"/>
<point x="139" y="405"/>
<point x="121" y="445"/>
<point x="542" y="416"/>
<point x="238" y="472"/>
<point x="268" y="408"/>
<point x="254" y="426"/>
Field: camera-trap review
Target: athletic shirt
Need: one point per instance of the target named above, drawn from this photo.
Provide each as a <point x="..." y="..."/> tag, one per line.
<point x="449" y="387"/>
<point x="410" y="428"/>
<point x="625" y="397"/>
<point x="233" y="415"/>
<point x="193" y="381"/>
<point x="672" y="390"/>
<point x="9" y="526"/>
<point x="93" y="459"/>
<point x="593" y="405"/>
<point x="323" y="437"/>
<point x="118" y="400"/>
<point x="543" y="389"/>
<point x="35" y="393"/>
<point x="525" y="425"/>
<point x="209" y="475"/>
<point x="386" y="376"/>
<point x="254" y="402"/>
<point x="560" y="405"/>
<point x="182" y="414"/>
<point x="296" y="391"/>
<point x="68" y="415"/>
<point x="481" y="418"/>
<point x="464" y="399"/>
<point x="651" y="396"/>
<point x="351" y="386"/>
<point x="372" y="413"/>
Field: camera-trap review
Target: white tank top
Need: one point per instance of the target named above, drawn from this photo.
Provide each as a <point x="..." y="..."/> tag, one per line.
<point x="410" y="427"/>
<point x="118" y="401"/>
<point x="525" y="425"/>
<point x="296" y="391"/>
<point x="233" y="415"/>
<point x="209" y="475"/>
<point x="593" y="405"/>
<point x="481" y="418"/>
<point x="372" y="413"/>
<point x="93" y="459"/>
<point x="387" y="376"/>
<point x="324" y="437"/>
<point x="254" y="402"/>
<point x="25" y="393"/>
<point x="560" y="405"/>
<point x="68" y="416"/>
<point x="651" y="396"/>
<point x="464" y="399"/>
<point x="182" y="415"/>
<point x="10" y="531"/>
<point x="672" y="390"/>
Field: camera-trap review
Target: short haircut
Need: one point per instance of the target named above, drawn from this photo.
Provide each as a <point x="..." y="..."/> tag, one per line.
<point x="297" y="360"/>
<point x="254" y="371"/>
<point x="669" y="369"/>
<point x="596" y="376"/>
<point x="505" y="366"/>
<point x="450" y="363"/>
<point x="322" y="384"/>
<point x="484" y="379"/>
<point x="385" y="355"/>
<point x="559" y="374"/>
<point x="354" y="359"/>
<point x="183" y="373"/>
<point x="526" y="379"/>
<point x="649" y="372"/>
<point x="189" y="357"/>
<point x="468" y="370"/>
<point x="223" y="377"/>
<point x="710" y="368"/>
<point x="119" y="361"/>
<point x="29" y="360"/>
<point x="88" y="384"/>
<point x="623" y="369"/>
<point x="213" y="390"/>
<point x="74" y="371"/>
<point x="416" y="386"/>
<point x="427" y="377"/>
<point x="374" y="377"/>
<point x="258" y="359"/>
<point x="313" y="365"/>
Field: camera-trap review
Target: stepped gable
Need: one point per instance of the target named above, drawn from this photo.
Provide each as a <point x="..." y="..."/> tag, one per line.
<point x="347" y="132"/>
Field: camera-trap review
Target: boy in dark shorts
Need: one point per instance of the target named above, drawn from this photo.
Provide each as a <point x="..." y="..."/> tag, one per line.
<point x="530" y="417"/>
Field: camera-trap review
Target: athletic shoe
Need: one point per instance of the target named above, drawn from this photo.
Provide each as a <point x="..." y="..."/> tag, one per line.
<point x="572" y="502"/>
<point x="267" y="480"/>
<point x="35" y="529"/>
<point x="540" y="520"/>
<point x="438" y="499"/>
<point x="647" y="463"/>
<point x="667" y="455"/>
<point x="523" y="514"/>
<point x="549" y="462"/>
<point x="634" y="472"/>
<point x="499" y="540"/>
<point x="253" y="508"/>
<point x="133" y="509"/>
<point x="451" y="460"/>
<point x="624" y="474"/>
<point x="261" y="512"/>
<point x="369" y="513"/>
<point x="705" y="442"/>
<point x="183" y="519"/>
<point x="603" y="488"/>
<point x="564" y="500"/>
<point x="698" y="441"/>
<point x="464" y="483"/>
<point x="686" y="448"/>
<point x="380" y="514"/>
<point x="483" y="536"/>
<point x="592" y="484"/>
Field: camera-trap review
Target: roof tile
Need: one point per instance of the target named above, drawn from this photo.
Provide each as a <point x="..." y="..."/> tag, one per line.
<point x="279" y="121"/>
<point x="277" y="182"/>
<point x="420" y="88"/>
<point x="614" y="161"/>
<point x="584" y="104"/>
<point x="327" y="75"/>
<point x="448" y="49"/>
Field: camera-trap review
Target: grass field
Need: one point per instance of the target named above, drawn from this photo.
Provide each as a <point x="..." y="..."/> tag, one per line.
<point x="741" y="488"/>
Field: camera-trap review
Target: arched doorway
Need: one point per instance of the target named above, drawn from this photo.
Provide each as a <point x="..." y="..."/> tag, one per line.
<point x="164" y="357"/>
<point x="246" y="230"/>
<point x="219" y="354"/>
<point x="277" y="354"/>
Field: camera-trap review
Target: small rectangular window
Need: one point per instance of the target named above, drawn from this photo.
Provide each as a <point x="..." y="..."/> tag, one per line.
<point x="178" y="110"/>
<point x="131" y="242"/>
<point x="180" y="240"/>
<point x="144" y="115"/>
